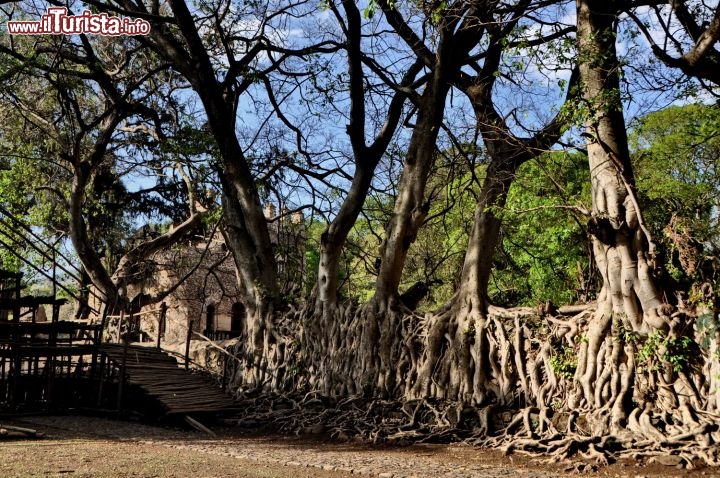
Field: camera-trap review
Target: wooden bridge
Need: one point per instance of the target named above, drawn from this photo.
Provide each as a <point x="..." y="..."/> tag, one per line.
<point x="46" y="367"/>
<point x="52" y="365"/>
<point x="155" y="376"/>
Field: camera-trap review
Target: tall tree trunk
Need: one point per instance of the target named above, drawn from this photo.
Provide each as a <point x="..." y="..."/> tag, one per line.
<point x="411" y="207"/>
<point x="623" y="249"/>
<point x="366" y="157"/>
<point x="245" y="230"/>
<point x="91" y="262"/>
<point x="458" y="340"/>
<point x="464" y="372"/>
<point x="381" y="318"/>
<point x="326" y="336"/>
<point x="332" y="241"/>
<point x="459" y="29"/>
<point x="248" y="238"/>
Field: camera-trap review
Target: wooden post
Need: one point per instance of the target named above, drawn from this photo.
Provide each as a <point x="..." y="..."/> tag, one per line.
<point x="224" y="373"/>
<point x="16" y="302"/>
<point x="15" y="380"/>
<point x="157" y="345"/>
<point x="50" y="365"/>
<point x="101" y="380"/>
<point x="119" y="327"/>
<point x="55" y="310"/>
<point x="187" y="345"/>
<point x="161" y="323"/>
<point x="121" y="381"/>
<point x="15" y="344"/>
<point x="103" y="323"/>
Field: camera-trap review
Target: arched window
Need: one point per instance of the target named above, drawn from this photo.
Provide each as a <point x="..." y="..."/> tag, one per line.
<point x="210" y="319"/>
<point x="237" y="318"/>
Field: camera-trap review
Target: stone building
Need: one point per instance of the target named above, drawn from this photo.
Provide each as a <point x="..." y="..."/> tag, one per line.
<point x="208" y="297"/>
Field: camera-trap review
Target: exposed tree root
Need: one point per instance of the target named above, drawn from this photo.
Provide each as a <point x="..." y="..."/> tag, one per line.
<point x="393" y="422"/>
<point x="578" y="387"/>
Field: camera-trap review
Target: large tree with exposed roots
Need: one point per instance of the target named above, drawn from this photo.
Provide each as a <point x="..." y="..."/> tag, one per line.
<point x="631" y="371"/>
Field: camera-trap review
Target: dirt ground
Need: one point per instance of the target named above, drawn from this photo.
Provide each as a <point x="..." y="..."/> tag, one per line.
<point x="77" y="446"/>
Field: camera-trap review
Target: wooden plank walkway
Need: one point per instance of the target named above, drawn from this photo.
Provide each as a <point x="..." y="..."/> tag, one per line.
<point x="159" y="375"/>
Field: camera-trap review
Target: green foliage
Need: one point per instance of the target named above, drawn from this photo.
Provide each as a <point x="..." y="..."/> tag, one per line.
<point x="372" y="7"/>
<point x="623" y="333"/>
<point x="312" y="254"/>
<point x="438" y="253"/>
<point x="544" y="250"/>
<point x="439" y="250"/>
<point x="707" y="328"/>
<point x="657" y="349"/>
<point x="436" y="256"/>
<point x="675" y="157"/>
<point x="679" y="352"/>
<point x="438" y="11"/>
<point x="49" y="127"/>
<point x="564" y="361"/>
<point x="358" y="269"/>
<point x="543" y="255"/>
<point x="33" y="188"/>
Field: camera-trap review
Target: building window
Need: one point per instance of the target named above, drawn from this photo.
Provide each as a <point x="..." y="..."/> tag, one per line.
<point x="237" y="318"/>
<point x="210" y="319"/>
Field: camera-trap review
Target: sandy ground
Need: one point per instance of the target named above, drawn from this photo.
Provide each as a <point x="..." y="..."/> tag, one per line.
<point x="77" y="446"/>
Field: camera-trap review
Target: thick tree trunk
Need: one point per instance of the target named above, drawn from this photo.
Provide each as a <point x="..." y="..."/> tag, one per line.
<point x="380" y="321"/>
<point x="329" y="335"/>
<point x="326" y="333"/>
<point x="367" y="157"/>
<point x="245" y="226"/>
<point x="411" y="207"/>
<point x="91" y="262"/>
<point x="332" y="241"/>
<point x="459" y="338"/>
<point x="464" y="355"/>
<point x="622" y="247"/>
<point x="465" y="372"/>
<point x="245" y="231"/>
<point x="247" y="236"/>
<point x="375" y="346"/>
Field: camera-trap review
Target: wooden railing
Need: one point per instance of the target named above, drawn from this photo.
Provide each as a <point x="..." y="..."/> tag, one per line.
<point x="51" y="365"/>
<point x="221" y="334"/>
